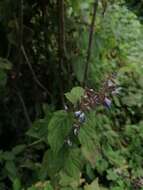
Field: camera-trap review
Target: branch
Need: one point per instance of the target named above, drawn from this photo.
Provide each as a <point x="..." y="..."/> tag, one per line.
<point x="61" y="30"/>
<point x="24" y="109"/>
<point x="33" y="73"/>
<point x="34" y="143"/>
<point x="90" y="42"/>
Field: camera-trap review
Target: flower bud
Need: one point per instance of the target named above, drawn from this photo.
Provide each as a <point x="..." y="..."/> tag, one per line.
<point x="76" y="131"/>
<point x="69" y="143"/>
<point x="65" y="107"/>
<point x="110" y="83"/>
<point x="107" y="102"/>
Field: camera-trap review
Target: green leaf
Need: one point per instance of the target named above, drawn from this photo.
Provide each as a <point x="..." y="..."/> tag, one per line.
<point x="11" y="169"/>
<point x="18" y="149"/>
<point x="48" y="187"/>
<point x="39" y="129"/>
<point x="8" y="155"/>
<point x="114" y="157"/>
<point x="93" y="186"/>
<point x="66" y="180"/>
<point x="75" y="4"/>
<point x="78" y="67"/>
<point x="101" y="163"/>
<point x="53" y="163"/>
<point x="75" y="94"/>
<point x="112" y="175"/>
<point x="89" y="142"/>
<point x="58" y="129"/>
<point x="16" y="184"/>
<point x="44" y="166"/>
<point x="5" y="64"/>
<point x="73" y="164"/>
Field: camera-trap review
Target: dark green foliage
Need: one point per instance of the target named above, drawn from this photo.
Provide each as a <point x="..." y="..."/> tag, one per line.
<point x="43" y="51"/>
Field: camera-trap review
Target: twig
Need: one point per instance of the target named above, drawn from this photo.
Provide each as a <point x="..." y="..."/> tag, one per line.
<point x="33" y="73"/>
<point x="61" y="30"/>
<point x="61" y="44"/>
<point x="20" y="32"/>
<point x="90" y="42"/>
<point x="24" y="109"/>
<point x="34" y="143"/>
<point x="104" y="5"/>
<point x="8" y="51"/>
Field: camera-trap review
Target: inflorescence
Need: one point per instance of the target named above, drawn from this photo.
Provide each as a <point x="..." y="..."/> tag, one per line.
<point x="91" y="100"/>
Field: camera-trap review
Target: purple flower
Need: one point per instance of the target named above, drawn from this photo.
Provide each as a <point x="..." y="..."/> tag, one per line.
<point x="107" y="102"/>
<point x="80" y="115"/>
<point x="82" y="118"/>
<point x="77" y="113"/>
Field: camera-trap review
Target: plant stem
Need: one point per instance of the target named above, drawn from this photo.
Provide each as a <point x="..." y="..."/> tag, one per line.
<point x="90" y="43"/>
<point x="33" y="72"/>
<point x="61" y="43"/>
<point x="20" y="33"/>
<point x="24" y="110"/>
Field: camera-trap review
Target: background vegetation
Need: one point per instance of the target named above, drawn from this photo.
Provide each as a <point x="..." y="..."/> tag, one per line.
<point x="45" y="51"/>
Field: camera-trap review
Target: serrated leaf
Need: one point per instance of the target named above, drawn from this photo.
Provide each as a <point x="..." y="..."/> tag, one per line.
<point x="73" y="164"/>
<point x="78" y="67"/>
<point x="114" y="157"/>
<point x="101" y="164"/>
<point x="44" y="166"/>
<point x="75" y="94"/>
<point x="93" y="186"/>
<point x="58" y="129"/>
<point x="66" y="180"/>
<point x="112" y="175"/>
<point x="55" y="162"/>
<point x="39" y="129"/>
<point x="89" y="146"/>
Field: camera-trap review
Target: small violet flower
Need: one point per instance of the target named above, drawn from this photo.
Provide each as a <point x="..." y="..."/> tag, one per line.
<point x="77" y="113"/>
<point x="107" y="102"/>
<point x="82" y="118"/>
